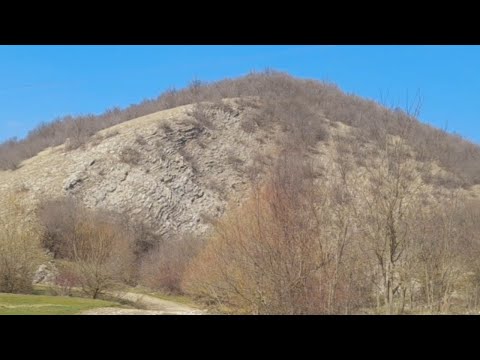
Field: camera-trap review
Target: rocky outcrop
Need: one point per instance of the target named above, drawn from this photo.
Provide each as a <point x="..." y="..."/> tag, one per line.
<point x="45" y="274"/>
<point x="168" y="169"/>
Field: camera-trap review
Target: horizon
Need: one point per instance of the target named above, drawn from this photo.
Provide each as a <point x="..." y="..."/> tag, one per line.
<point x="43" y="83"/>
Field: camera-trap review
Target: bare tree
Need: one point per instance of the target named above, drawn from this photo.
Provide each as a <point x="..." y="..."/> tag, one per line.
<point x="163" y="267"/>
<point x="96" y="248"/>
<point x="390" y="198"/>
<point x="102" y="256"/>
<point x="282" y="252"/>
<point x="20" y="250"/>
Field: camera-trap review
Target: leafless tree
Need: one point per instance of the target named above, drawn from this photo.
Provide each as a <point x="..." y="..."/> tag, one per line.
<point x="96" y="246"/>
<point x="20" y="250"/>
<point x="279" y="253"/>
<point x="163" y="267"/>
<point x="102" y="256"/>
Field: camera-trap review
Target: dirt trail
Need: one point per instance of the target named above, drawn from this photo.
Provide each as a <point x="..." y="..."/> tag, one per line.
<point x="150" y="306"/>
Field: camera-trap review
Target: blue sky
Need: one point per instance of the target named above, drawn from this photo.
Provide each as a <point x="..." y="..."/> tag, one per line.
<point x="39" y="83"/>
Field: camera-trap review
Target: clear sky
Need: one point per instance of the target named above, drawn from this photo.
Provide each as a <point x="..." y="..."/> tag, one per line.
<point x="39" y="83"/>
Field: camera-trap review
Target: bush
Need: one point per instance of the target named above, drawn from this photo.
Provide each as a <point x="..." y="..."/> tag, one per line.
<point x="165" y="127"/>
<point x="163" y="267"/>
<point x="66" y="280"/>
<point x="20" y="250"/>
<point x="59" y="219"/>
<point x="130" y="156"/>
<point x="102" y="256"/>
<point x="201" y="115"/>
<point x="248" y="125"/>
<point x="140" y="140"/>
<point x="98" y="249"/>
<point x="20" y="256"/>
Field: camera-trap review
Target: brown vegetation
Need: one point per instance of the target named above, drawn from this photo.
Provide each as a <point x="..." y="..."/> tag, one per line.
<point x="369" y="239"/>
<point x="20" y="250"/>
<point x="282" y="252"/>
<point x="101" y="256"/>
<point x="163" y="267"/>
<point x="295" y="105"/>
<point x="365" y="229"/>
<point x="130" y="156"/>
<point x="94" y="249"/>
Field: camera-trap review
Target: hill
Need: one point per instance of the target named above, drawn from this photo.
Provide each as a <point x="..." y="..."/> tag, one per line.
<point x="341" y="181"/>
<point x="171" y="166"/>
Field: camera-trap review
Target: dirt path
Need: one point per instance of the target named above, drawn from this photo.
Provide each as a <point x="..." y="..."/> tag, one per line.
<point x="152" y="306"/>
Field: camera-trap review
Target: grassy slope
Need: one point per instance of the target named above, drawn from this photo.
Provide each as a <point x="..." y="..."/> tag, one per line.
<point x="13" y="304"/>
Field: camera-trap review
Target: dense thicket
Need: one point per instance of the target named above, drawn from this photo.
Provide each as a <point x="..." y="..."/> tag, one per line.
<point x="370" y="239"/>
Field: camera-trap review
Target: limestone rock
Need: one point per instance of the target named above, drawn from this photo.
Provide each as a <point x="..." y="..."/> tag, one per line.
<point x="45" y="274"/>
<point x="182" y="170"/>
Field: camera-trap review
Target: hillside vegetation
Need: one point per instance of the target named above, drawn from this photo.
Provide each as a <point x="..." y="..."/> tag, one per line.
<point x="294" y="103"/>
<point x="260" y="195"/>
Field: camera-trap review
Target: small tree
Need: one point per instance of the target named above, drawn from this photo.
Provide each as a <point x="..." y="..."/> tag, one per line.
<point x="102" y="256"/>
<point x="164" y="266"/>
<point x="96" y="247"/>
<point x="20" y="250"/>
<point x="58" y="218"/>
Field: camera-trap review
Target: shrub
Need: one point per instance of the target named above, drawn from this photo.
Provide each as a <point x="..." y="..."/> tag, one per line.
<point x="20" y="256"/>
<point x="20" y="250"/>
<point x="102" y="256"/>
<point x="224" y="107"/>
<point x="98" y="249"/>
<point x="66" y="280"/>
<point x="201" y="115"/>
<point x="130" y="156"/>
<point x="164" y="266"/>
<point x="165" y="127"/>
<point x="59" y="219"/>
<point x="140" y="140"/>
<point x="248" y="125"/>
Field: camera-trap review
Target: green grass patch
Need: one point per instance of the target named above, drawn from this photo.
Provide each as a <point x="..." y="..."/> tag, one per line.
<point x="15" y="304"/>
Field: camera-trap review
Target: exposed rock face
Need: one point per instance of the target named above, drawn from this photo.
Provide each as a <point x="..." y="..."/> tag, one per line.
<point x="166" y="169"/>
<point x="45" y="274"/>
